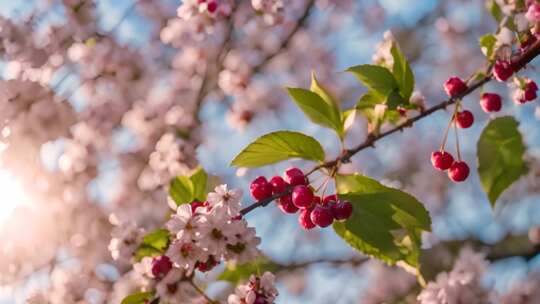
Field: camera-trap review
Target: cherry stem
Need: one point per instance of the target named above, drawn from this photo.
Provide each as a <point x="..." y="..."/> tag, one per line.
<point x="445" y="137"/>
<point x="457" y="142"/>
<point x="201" y="292"/>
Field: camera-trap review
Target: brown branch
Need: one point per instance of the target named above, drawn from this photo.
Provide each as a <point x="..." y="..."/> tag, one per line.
<point x="518" y="63"/>
<point x="223" y="49"/>
<point x="352" y="261"/>
<point x="287" y="40"/>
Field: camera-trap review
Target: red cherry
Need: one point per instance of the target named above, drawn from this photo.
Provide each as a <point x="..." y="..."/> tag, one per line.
<point x="322" y="216"/>
<point x="530" y="91"/>
<point x="529" y="95"/>
<point x="454" y="86"/>
<point x="441" y="160"/>
<point x="295" y="177"/>
<point x="502" y="70"/>
<point x="329" y="198"/>
<point x="302" y="196"/>
<point x="212" y="6"/>
<point x="279" y="185"/>
<point x="161" y="266"/>
<point x="316" y="200"/>
<point x="305" y="219"/>
<point x="464" y="119"/>
<point x="531" y="85"/>
<point x="342" y="210"/>
<point x="260" y="188"/>
<point x="459" y="171"/>
<point x="491" y="102"/>
<point x="286" y="205"/>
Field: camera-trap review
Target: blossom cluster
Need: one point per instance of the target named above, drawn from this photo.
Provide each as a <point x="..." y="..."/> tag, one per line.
<point x="203" y="234"/>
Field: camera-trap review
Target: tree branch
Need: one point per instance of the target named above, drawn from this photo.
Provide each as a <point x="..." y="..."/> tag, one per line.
<point x="285" y="42"/>
<point x="518" y="63"/>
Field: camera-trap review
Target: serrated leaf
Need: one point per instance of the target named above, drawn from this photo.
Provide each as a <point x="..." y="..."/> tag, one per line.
<point x="317" y="109"/>
<point x="279" y="146"/>
<point x="237" y="273"/>
<point x="500" y="152"/>
<point x="138" y="298"/>
<point x="153" y="244"/>
<point x="487" y="45"/>
<point x="199" y="179"/>
<point x="402" y="73"/>
<point x="379" y="80"/>
<point x="386" y="222"/>
<point x="181" y="190"/>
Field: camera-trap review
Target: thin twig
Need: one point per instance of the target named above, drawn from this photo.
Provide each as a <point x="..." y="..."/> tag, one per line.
<point x="287" y="40"/>
<point x="201" y="292"/>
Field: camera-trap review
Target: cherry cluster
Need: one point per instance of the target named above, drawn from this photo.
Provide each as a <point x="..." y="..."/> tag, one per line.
<point x="296" y="194"/>
<point x="454" y="87"/>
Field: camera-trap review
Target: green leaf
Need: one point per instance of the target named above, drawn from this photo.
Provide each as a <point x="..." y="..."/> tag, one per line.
<point x="181" y="190"/>
<point x="366" y="105"/>
<point x="386" y="222"/>
<point x="500" y="152"/>
<point x="146" y="251"/>
<point x="317" y="109"/>
<point x="158" y="239"/>
<point x="394" y="99"/>
<point x="199" y="179"/>
<point x="495" y="10"/>
<point x="487" y="45"/>
<point x="138" y="298"/>
<point x="153" y="244"/>
<point x="317" y="88"/>
<point x="402" y="73"/>
<point x="237" y="273"/>
<point x="377" y="79"/>
<point x="279" y="146"/>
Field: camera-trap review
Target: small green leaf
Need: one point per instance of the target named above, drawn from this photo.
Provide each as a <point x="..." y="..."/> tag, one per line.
<point x="181" y="190"/>
<point x="138" y="298"/>
<point x="199" y="180"/>
<point x="237" y="273"/>
<point x="279" y="146"/>
<point x="146" y="251"/>
<point x="394" y="100"/>
<point x="386" y="222"/>
<point x="158" y="239"/>
<point x="402" y="73"/>
<point x="495" y="10"/>
<point x="500" y="152"/>
<point x="366" y="105"/>
<point x="153" y="244"/>
<point x="379" y="80"/>
<point x="487" y="45"/>
<point x="317" y="109"/>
